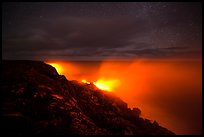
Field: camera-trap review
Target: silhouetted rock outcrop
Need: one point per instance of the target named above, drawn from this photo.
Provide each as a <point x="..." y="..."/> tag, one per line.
<point x="38" y="101"/>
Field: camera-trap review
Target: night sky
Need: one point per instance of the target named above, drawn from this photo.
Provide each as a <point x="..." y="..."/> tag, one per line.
<point x="168" y="90"/>
<point x="97" y="31"/>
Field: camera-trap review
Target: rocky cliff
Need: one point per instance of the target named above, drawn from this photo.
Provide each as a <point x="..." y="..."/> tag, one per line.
<point x="36" y="100"/>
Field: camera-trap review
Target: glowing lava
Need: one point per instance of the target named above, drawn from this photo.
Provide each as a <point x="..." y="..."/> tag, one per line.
<point x="107" y="85"/>
<point x="57" y="67"/>
<point x="84" y="81"/>
<point x="102" y="85"/>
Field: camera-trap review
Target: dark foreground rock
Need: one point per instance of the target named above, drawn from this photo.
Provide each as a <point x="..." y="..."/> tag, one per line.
<point x="38" y="101"/>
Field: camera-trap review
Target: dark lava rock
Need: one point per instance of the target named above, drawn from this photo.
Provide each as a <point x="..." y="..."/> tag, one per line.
<point x="38" y="101"/>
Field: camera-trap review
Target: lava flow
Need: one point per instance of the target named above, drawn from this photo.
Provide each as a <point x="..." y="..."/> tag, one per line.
<point x="107" y="85"/>
<point x="57" y="67"/>
<point x="84" y="81"/>
<point x="103" y="84"/>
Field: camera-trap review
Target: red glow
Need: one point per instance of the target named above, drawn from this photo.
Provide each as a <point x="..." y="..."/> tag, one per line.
<point x="106" y="85"/>
<point x="57" y="67"/>
<point x="57" y="96"/>
<point x="166" y="90"/>
<point x="84" y="81"/>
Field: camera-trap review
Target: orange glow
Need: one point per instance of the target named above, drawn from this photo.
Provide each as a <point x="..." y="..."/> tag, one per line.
<point x="84" y="81"/>
<point x="107" y="85"/>
<point x="156" y="86"/>
<point x="57" y="67"/>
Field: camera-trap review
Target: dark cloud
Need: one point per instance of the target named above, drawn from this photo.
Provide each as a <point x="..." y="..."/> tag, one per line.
<point x="97" y="30"/>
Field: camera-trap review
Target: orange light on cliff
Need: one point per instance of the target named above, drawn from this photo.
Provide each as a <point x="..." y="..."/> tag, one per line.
<point x="84" y="81"/>
<point x="57" y="67"/>
<point x="151" y="85"/>
<point x="107" y="85"/>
